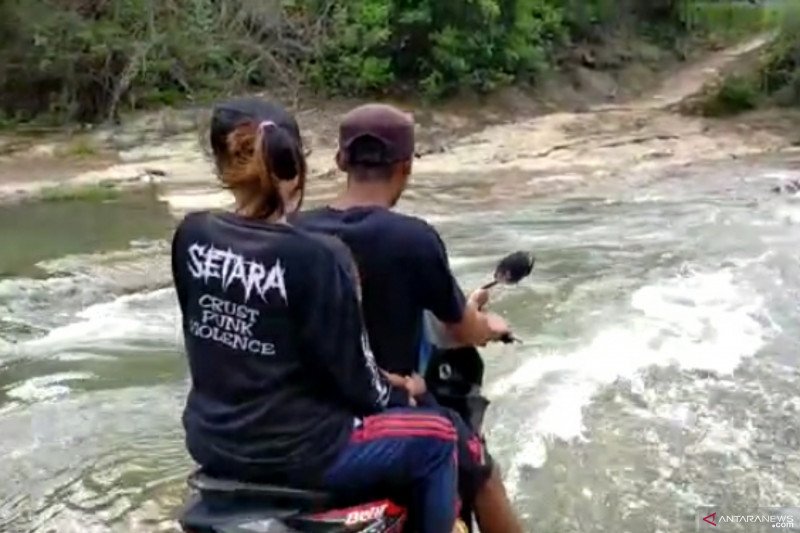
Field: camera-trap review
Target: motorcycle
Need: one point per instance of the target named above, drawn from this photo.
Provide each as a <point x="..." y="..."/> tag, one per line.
<point x="453" y="375"/>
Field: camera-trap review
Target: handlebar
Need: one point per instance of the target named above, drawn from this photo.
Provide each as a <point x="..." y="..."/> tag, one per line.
<point x="508" y="338"/>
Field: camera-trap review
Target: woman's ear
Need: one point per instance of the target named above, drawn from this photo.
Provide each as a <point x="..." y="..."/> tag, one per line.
<point x="290" y="194"/>
<point x="402" y="173"/>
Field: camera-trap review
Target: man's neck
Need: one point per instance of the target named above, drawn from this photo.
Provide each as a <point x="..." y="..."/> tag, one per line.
<point x="363" y="195"/>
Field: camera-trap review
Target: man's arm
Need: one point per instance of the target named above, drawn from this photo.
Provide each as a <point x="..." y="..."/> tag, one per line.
<point x="476" y="328"/>
<point x="439" y="292"/>
<point x="336" y="343"/>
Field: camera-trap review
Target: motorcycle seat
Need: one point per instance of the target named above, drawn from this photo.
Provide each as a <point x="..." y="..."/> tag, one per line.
<point x="224" y="487"/>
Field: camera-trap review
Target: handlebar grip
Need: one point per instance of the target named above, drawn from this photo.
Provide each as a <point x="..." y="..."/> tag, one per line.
<point x="508" y="338"/>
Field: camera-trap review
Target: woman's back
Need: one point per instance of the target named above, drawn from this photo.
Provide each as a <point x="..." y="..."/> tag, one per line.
<point x="261" y="406"/>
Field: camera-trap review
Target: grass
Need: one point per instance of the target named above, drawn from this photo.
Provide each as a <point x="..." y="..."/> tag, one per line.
<point x="775" y="78"/>
<point x="736" y="95"/>
<point x="84" y="193"/>
<point x="80" y="147"/>
<point x="733" y="20"/>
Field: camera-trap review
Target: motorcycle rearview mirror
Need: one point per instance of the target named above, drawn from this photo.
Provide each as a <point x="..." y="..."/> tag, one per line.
<point x="512" y="269"/>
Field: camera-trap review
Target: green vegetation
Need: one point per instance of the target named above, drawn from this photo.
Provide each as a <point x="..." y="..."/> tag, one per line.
<point x="86" y="60"/>
<point x="67" y="193"/>
<point x="734" y="95"/>
<point x="775" y="79"/>
<point x="730" y="20"/>
<point x="780" y="70"/>
<point x="81" y="146"/>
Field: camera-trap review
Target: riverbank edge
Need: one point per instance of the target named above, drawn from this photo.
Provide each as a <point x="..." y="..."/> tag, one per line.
<point x="117" y="158"/>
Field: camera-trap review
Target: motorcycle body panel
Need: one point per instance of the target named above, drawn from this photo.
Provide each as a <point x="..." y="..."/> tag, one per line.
<point x="211" y="514"/>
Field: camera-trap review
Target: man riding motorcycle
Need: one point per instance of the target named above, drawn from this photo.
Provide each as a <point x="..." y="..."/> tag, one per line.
<point x="404" y="272"/>
<point x="284" y="387"/>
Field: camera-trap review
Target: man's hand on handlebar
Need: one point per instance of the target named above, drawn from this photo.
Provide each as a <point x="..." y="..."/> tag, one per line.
<point x="498" y="326"/>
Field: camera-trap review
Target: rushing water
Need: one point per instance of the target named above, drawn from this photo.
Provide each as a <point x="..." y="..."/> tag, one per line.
<point x="659" y="371"/>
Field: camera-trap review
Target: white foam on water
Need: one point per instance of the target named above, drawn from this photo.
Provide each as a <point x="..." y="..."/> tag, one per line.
<point x="648" y="198"/>
<point x="81" y="280"/>
<point x="47" y="303"/>
<point x="704" y="321"/>
<point x="789" y="214"/>
<point x="129" y="320"/>
<point x="779" y="175"/>
<point x="14" y="289"/>
<point x="46" y="387"/>
<point x="79" y="263"/>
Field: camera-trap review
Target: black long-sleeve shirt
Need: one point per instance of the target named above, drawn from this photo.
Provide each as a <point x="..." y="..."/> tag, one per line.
<point x="280" y="363"/>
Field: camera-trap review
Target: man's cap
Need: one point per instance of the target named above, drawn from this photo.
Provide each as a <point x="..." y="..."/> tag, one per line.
<point x="393" y="128"/>
<point x="231" y="113"/>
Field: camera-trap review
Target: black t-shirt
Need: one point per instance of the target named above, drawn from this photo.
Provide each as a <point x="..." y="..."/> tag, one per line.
<point x="404" y="270"/>
<point x="280" y="364"/>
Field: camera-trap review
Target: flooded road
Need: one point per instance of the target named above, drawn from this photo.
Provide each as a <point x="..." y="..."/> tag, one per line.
<point x="659" y="371"/>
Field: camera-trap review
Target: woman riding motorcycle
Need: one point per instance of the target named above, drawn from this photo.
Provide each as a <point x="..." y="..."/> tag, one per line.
<point x="284" y="388"/>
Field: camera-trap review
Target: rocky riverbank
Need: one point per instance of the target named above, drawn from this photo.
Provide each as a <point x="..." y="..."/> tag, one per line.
<point x="539" y="147"/>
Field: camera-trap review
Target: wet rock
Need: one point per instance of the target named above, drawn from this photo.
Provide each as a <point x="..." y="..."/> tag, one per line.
<point x="119" y="175"/>
<point x="660" y="154"/>
<point x="706" y="374"/>
<point x="599" y="84"/>
<point x="178" y="147"/>
<point x="433" y="147"/>
<point x="152" y="175"/>
<point x="639" y="401"/>
<point x="527" y="472"/>
<point x="778" y="459"/>
<point x="587" y="58"/>
<point x="328" y="174"/>
<point x="791" y="439"/>
<point x="126" y="140"/>
<point x="792" y="406"/>
<point x="789" y="187"/>
<point x="43" y="150"/>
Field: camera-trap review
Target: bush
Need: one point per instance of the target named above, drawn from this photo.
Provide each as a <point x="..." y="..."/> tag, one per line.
<point x="736" y="94"/>
<point x="436" y="46"/>
<point x="780" y="72"/>
<point x="83" y="59"/>
<point x="728" y="20"/>
<point x="776" y="78"/>
<point x="86" y="59"/>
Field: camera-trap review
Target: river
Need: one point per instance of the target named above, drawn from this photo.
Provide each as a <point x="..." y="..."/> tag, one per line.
<point x="658" y="373"/>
